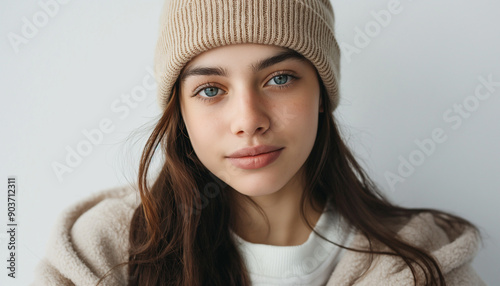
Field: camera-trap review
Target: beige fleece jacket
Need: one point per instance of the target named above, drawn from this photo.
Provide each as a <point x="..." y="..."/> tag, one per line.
<point x="91" y="236"/>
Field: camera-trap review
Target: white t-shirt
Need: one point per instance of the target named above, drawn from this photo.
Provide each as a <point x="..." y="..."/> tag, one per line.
<point x="310" y="263"/>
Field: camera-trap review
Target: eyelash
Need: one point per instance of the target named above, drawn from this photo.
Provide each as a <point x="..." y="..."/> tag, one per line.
<point x="211" y="84"/>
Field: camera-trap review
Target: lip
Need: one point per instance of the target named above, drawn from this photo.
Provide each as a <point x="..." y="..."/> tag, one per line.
<point x="253" y="151"/>
<point x="255" y="157"/>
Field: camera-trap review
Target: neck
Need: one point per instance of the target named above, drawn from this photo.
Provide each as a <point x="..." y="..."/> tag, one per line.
<point x="286" y="225"/>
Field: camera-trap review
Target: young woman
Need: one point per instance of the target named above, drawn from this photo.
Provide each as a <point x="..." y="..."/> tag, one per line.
<point x="256" y="186"/>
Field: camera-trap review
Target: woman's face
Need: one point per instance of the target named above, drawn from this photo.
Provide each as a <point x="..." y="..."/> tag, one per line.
<point x="245" y="96"/>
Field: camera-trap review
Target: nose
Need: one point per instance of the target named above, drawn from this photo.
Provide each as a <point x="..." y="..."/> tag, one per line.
<point x="250" y="113"/>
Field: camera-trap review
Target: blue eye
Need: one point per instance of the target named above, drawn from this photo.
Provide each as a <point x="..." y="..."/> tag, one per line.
<point x="210" y="91"/>
<point x="281" y="79"/>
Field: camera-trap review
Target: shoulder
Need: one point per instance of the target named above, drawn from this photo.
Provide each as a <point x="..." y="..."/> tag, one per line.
<point x="435" y="235"/>
<point x="101" y="212"/>
<point x="89" y="238"/>
<point x="453" y="248"/>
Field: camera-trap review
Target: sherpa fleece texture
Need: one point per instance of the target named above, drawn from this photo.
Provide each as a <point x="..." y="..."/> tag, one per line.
<point x="91" y="236"/>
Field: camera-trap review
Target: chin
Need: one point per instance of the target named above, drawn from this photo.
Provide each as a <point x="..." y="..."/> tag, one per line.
<point x="260" y="183"/>
<point x="255" y="190"/>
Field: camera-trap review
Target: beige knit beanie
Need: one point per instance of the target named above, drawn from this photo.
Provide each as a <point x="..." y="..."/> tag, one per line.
<point x="190" y="27"/>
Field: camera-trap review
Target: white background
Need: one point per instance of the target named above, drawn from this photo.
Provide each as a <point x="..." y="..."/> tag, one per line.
<point x="395" y="89"/>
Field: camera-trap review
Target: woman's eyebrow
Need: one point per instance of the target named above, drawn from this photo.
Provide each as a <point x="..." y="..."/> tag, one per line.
<point x="258" y="66"/>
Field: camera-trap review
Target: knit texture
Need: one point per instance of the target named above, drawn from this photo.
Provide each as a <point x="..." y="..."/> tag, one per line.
<point x="190" y="27"/>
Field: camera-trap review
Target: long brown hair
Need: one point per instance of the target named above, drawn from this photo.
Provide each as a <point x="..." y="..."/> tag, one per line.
<point x="180" y="233"/>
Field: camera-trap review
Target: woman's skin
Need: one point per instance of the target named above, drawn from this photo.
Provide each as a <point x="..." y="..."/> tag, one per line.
<point x="250" y="102"/>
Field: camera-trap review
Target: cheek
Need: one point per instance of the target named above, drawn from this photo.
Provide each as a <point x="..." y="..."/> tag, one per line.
<point x="203" y="132"/>
<point x="301" y="118"/>
<point x="307" y="125"/>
